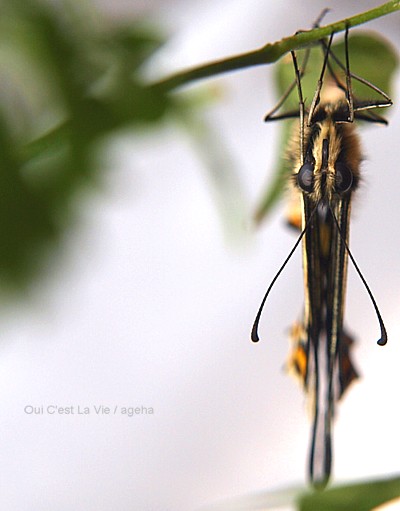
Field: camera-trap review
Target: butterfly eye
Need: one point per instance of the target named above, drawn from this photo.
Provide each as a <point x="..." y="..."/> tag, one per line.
<point x="343" y="178"/>
<point x="305" y="177"/>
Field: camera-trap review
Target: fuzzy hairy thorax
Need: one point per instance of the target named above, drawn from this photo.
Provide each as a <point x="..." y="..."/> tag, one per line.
<point x="329" y="122"/>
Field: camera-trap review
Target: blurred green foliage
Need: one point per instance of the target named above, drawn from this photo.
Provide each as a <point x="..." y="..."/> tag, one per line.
<point x="361" y="497"/>
<point x="69" y="78"/>
<point x="371" y="57"/>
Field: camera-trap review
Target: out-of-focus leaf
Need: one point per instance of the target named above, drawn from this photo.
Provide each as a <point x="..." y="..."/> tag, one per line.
<point x="355" y="497"/>
<point x="278" y="180"/>
<point x="136" y="44"/>
<point x="364" y="496"/>
<point x="69" y="79"/>
<point x="25" y="224"/>
<point x="371" y="57"/>
<point x="224" y="181"/>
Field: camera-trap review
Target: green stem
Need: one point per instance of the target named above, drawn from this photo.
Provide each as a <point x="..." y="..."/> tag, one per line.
<point x="267" y="54"/>
<point x="272" y="52"/>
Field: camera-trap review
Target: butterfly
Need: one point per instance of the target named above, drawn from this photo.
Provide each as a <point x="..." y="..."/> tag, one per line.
<point x="325" y="157"/>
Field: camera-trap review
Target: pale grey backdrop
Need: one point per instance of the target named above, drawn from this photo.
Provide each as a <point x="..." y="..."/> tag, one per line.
<point x="152" y="305"/>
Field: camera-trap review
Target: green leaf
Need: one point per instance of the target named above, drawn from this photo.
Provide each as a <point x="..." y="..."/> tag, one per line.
<point x="360" y="497"/>
<point x="371" y="57"/>
<point x="26" y="226"/>
<point x="70" y="79"/>
<point x="136" y="43"/>
<point x="351" y="497"/>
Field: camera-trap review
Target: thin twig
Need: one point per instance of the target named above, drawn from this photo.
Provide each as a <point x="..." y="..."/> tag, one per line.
<point x="272" y="52"/>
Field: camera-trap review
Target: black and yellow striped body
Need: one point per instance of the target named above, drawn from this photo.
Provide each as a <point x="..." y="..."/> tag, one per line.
<point x="326" y="177"/>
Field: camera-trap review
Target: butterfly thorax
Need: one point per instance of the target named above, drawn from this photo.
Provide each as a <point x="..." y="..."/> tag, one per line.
<point x="329" y="168"/>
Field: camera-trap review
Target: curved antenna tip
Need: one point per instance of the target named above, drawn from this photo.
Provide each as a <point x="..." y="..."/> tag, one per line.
<point x="254" y="331"/>
<point x="382" y="341"/>
<point x="254" y="334"/>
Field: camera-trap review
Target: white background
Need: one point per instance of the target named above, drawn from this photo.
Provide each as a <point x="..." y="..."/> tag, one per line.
<point x="152" y="303"/>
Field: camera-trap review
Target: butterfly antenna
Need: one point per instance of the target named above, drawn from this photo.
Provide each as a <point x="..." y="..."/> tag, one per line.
<point x="383" y="339"/>
<point x="254" y="331"/>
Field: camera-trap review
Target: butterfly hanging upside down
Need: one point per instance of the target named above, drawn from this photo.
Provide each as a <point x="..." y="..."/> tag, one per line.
<point x="325" y="156"/>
